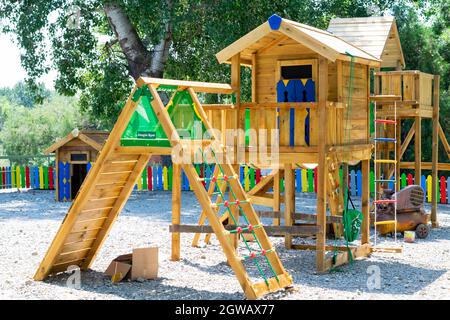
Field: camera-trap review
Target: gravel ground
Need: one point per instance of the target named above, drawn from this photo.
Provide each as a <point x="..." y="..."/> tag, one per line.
<point x="29" y="221"/>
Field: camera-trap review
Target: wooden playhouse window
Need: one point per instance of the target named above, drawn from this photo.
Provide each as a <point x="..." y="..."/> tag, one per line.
<point x="79" y="157"/>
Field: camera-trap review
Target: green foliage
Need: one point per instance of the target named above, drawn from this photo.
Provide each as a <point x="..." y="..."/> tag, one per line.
<point x="99" y="72"/>
<point x="26" y="94"/>
<point x="29" y="131"/>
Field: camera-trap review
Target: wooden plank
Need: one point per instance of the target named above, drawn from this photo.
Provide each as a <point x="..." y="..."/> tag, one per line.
<point x="207" y="87"/>
<point x="85" y="191"/>
<point x="321" y="48"/>
<point x="117" y="208"/>
<point x="305" y="230"/>
<point x="343" y="256"/>
<point x="242" y="43"/>
<point x="426" y="166"/>
<point x="308" y="217"/>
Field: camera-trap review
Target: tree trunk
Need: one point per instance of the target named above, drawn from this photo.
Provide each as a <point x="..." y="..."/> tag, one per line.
<point x="161" y="50"/>
<point x="138" y="57"/>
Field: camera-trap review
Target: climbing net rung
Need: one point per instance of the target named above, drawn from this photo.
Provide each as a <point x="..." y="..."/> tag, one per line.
<point x="230" y="203"/>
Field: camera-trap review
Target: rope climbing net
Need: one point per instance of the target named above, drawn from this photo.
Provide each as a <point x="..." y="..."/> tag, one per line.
<point x="225" y="202"/>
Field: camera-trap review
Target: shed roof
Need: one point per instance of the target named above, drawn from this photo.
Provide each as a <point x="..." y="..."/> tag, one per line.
<point x="93" y="138"/>
<point x="376" y="35"/>
<point x="275" y="28"/>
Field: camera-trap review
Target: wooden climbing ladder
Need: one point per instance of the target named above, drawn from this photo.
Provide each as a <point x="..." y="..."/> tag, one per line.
<point x="111" y="181"/>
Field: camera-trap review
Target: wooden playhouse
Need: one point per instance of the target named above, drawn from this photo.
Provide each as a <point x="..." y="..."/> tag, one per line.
<point x="74" y="156"/>
<point x="309" y="87"/>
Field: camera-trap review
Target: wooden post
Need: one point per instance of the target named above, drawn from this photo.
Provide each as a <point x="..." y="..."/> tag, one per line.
<point x="321" y="169"/>
<point x="365" y="198"/>
<point x="56" y="182"/>
<point x="418" y="151"/>
<point x="417" y="136"/>
<point x="435" y="153"/>
<point x="236" y="85"/>
<point x="276" y="197"/>
<point x="398" y="146"/>
<point x="176" y="210"/>
<point x="288" y="209"/>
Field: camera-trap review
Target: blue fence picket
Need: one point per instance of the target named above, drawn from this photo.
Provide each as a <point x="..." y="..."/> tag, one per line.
<point x="37" y="180"/>
<point x="60" y="180"/>
<point x="185" y="182"/>
<point x="67" y="179"/>
<point x="298" y="179"/>
<point x="448" y="190"/>
<point x="391" y="184"/>
<point x="353" y="183"/>
<point x="160" y="178"/>
<point x="423" y="183"/>
<point x="208" y="174"/>
<point x="359" y="183"/>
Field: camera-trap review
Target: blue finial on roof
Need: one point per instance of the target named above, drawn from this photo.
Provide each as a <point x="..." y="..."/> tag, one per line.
<point x="274" y="22"/>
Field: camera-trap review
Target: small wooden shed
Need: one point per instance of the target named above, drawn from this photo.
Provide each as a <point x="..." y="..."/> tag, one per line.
<point x="375" y="35"/>
<point x="74" y="155"/>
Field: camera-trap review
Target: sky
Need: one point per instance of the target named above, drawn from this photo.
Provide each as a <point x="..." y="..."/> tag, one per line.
<point x="11" y="71"/>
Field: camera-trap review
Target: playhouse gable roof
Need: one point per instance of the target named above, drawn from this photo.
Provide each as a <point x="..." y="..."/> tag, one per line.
<point x="276" y="28"/>
<point x="375" y="35"/>
<point x="93" y="138"/>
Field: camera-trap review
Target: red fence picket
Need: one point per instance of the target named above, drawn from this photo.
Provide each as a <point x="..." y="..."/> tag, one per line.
<point x="443" y="190"/>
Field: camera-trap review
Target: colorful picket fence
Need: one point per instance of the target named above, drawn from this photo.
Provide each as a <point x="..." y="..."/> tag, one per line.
<point x="35" y="177"/>
<point x="158" y="177"/>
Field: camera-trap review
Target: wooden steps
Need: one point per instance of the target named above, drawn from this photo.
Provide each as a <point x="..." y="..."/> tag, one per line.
<point x="90" y="217"/>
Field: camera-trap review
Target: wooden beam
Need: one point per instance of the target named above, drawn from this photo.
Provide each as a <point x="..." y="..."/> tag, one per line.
<point x="94" y="144"/>
<point x="276" y="195"/>
<point x="398" y="151"/>
<point x="444" y="141"/>
<point x="176" y="210"/>
<point x="321" y="169"/>
<point x="365" y="202"/>
<point x="208" y="87"/>
<point x="273" y="43"/>
<point x="418" y="151"/>
<point x="244" y="42"/>
<point x="435" y="153"/>
<point x="306" y="230"/>
<point x="288" y="194"/>
<point x="321" y="48"/>
<point x="308" y="217"/>
<point x="426" y="166"/>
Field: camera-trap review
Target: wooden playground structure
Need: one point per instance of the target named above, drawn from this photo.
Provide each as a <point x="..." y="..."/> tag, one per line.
<point x="309" y="86"/>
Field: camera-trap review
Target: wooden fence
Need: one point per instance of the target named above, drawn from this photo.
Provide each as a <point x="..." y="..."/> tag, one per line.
<point x="157" y="177"/>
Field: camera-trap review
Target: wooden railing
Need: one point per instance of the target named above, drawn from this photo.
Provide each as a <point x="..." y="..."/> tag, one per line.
<point x="289" y="117"/>
<point x="413" y="86"/>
